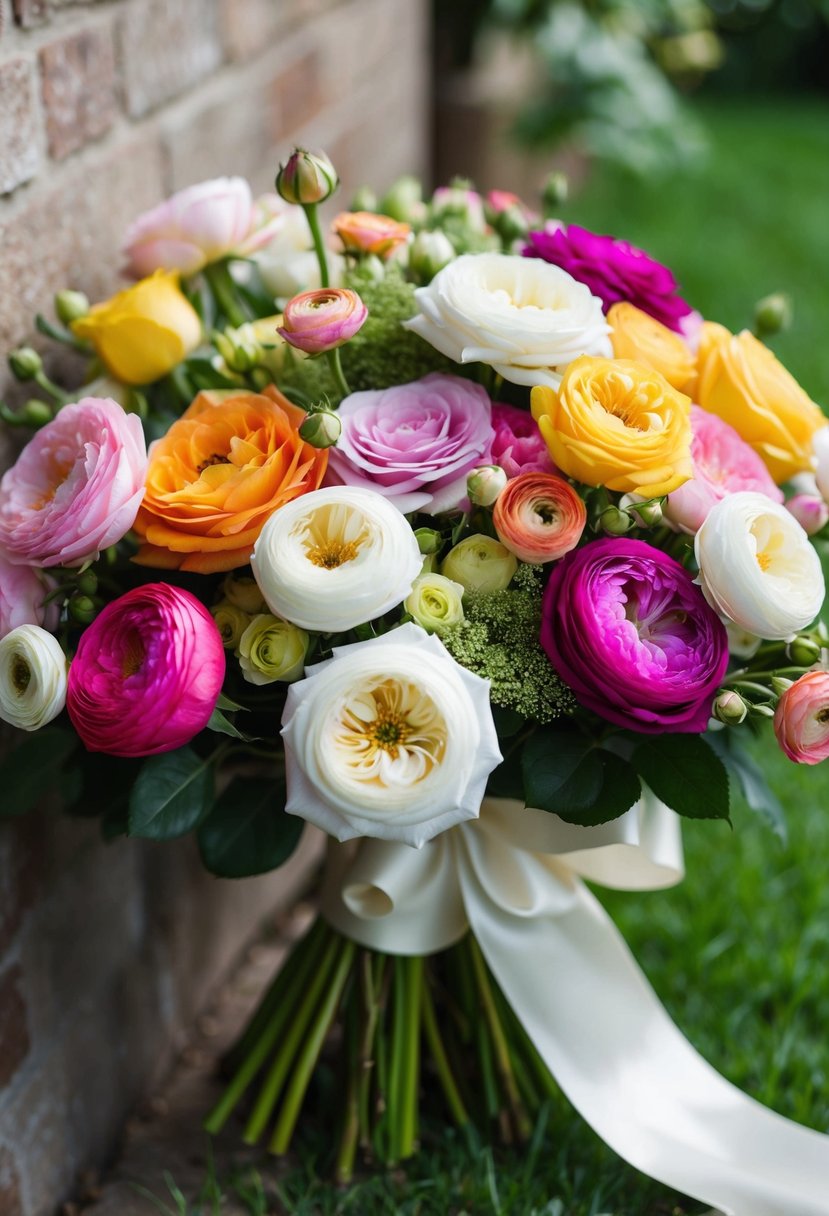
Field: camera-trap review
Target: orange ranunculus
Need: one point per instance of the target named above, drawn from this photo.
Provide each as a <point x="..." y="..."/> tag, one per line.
<point x="218" y="474"/>
<point x="635" y="335"/>
<point x="539" y="517"/>
<point x="366" y="232"/>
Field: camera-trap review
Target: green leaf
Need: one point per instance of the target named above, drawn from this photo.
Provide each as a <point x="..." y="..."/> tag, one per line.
<point x="172" y="795"/>
<point x="248" y="832"/>
<point x="751" y="781"/>
<point x="223" y="726"/>
<point x="228" y="705"/>
<point x="683" y="771"/>
<point x="32" y="768"/>
<point x="570" y="775"/>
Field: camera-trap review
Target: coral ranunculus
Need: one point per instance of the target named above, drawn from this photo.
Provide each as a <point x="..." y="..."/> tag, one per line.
<point x="321" y="320"/>
<point x="147" y="673"/>
<point x="801" y="720"/>
<point x="636" y="335"/>
<point x="217" y="476"/>
<point x="366" y="232"/>
<point x="539" y="517"/>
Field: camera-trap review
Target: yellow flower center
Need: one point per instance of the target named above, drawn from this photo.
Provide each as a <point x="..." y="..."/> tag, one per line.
<point x="763" y="561"/>
<point x="334" y="535"/>
<point x="390" y="734"/>
<point x="333" y="553"/>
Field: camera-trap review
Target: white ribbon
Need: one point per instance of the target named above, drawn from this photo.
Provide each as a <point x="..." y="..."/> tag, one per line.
<point x="513" y="877"/>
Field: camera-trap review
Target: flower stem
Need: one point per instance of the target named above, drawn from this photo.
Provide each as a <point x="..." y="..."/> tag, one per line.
<point x="312" y="216"/>
<point x="336" y="368"/>
<point x="370" y="1012"/>
<point x="499" y="1043"/>
<point x="408" y="1124"/>
<point x="344" y="1167"/>
<point x="441" y="1061"/>
<point x="224" y="290"/>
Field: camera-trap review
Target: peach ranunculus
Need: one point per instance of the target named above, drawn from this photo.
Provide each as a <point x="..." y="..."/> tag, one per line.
<point x="618" y="424"/>
<point x="366" y="232"/>
<point x="142" y="333"/>
<point x="801" y="719"/>
<point x="746" y="385"/>
<point x="539" y="517"/>
<point x="219" y="473"/>
<point x="636" y="335"/>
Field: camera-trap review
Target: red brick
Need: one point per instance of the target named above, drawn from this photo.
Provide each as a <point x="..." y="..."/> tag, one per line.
<point x="78" y="89"/>
<point x="10" y="1202"/>
<point x="166" y="46"/>
<point x="30" y="12"/>
<point x="19" y="153"/>
<point x="14" y="1032"/>
<point x="247" y="26"/>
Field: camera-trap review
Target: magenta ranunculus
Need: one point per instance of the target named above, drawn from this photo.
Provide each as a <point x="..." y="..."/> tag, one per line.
<point x="22" y="592"/>
<point x="612" y="269"/>
<point x="414" y="443"/>
<point x="723" y="464"/>
<point x="195" y="226"/>
<point x="517" y="446"/>
<point x="76" y="487"/>
<point x="147" y="673"/>
<point x="631" y="633"/>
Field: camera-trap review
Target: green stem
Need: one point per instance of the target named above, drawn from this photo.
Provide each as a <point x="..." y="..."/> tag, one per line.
<point x="221" y="284"/>
<point x="51" y="389"/>
<point x="370" y="1012"/>
<point x="312" y="216"/>
<point x="336" y="367"/>
<point x="344" y="1167"/>
<point x="441" y="1061"/>
<point x="499" y="1042"/>
<point x="410" y="1063"/>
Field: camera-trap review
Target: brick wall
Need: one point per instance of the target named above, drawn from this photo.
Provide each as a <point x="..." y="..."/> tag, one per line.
<point x="106" y="951"/>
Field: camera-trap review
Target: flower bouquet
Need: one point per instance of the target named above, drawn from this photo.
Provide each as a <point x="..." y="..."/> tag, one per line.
<point x="458" y="534"/>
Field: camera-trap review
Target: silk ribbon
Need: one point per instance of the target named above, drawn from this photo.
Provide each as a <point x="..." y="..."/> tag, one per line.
<point x="514" y="877"/>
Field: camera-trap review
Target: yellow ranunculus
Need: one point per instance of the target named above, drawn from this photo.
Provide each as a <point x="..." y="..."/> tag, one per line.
<point x="618" y="424"/>
<point x="143" y="332"/>
<point x="741" y="381"/>
<point x="635" y="335"/>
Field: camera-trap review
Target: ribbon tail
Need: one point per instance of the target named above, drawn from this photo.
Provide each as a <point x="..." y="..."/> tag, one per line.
<point x="626" y="1067"/>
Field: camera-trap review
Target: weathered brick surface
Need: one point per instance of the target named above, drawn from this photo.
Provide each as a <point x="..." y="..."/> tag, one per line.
<point x="166" y="46"/>
<point x="29" y="13"/>
<point x="78" y="88"/>
<point x="19" y="151"/>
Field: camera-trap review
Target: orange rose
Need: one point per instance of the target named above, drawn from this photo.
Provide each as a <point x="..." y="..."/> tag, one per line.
<point x="218" y="474"/>
<point x="635" y="335"/>
<point x="365" y="232"/>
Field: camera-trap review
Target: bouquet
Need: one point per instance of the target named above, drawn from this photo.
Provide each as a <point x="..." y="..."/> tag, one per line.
<point x="459" y="534"/>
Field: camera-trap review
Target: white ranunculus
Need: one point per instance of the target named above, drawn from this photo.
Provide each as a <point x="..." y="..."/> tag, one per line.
<point x="821" y="449"/>
<point x="757" y="566"/>
<point x="32" y="677"/>
<point x="391" y="738"/>
<point x="523" y="317"/>
<point x="336" y="558"/>
<point x="288" y="264"/>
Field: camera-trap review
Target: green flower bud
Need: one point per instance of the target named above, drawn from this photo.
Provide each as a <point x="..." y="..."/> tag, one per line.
<point x="772" y="314"/>
<point x="615" y="522"/>
<point x="803" y="651"/>
<point x="231" y="623"/>
<point x="650" y="513"/>
<point x="428" y="540"/>
<point x="555" y="192"/>
<point x="364" y="200"/>
<point x="429" y="253"/>
<point x="70" y="306"/>
<point x="243" y="592"/>
<point x="480" y="563"/>
<point x="87" y="583"/>
<point x="36" y="413"/>
<point x="730" y="708"/>
<point x="321" y="429"/>
<point x="765" y="711"/>
<point x="780" y="684"/>
<point x="25" y="363"/>
<point x="430" y="564"/>
<point x="404" y="201"/>
<point x="484" y="484"/>
<point x="306" y="178"/>
<point x="435" y="602"/>
<point x="82" y="609"/>
<point x="511" y="224"/>
<point x="272" y="649"/>
<point x="239" y="348"/>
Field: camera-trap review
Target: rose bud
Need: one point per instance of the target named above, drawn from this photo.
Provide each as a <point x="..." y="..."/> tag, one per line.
<point x="485" y="483"/>
<point x="306" y="178"/>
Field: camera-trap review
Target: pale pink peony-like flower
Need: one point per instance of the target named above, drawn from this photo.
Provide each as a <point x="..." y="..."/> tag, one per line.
<point x="518" y="446"/>
<point x="76" y="487"/>
<point x="147" y="673"/>
<point x="22" y="592"/>
<point x="801" y="720"/>
<point x="195" y="226"/>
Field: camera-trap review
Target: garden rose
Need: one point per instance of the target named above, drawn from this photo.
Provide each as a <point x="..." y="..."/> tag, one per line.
<point x="191" y="228"/>
<point x="414" y="443"/>
<point x="318" y="321"/>
<point x="617" y="424"/>
<point x="480" y="563"/>
<point x="271" y="649"/>
<point x="142" y="333"/>
<point x="218" y="474"/>
<point x="147" y="673"/>
<point x="336" y="558"/>
<point x="757" y="566"/>
<point x="22" y="593"/>
<point x="32" y="677"/>
<point x="367" y="232"/>
<point x="638" y="336"/>
<point x="539" y="517"/>
<point x="801" y="719"/>
<point x="626" y="627"/>
<point x="613" y="270"/>
<point x="435" y="602"/>
<point x="231" y="623"/>
<point x="518" y="445"/>
<point x="741" y="380"/>
<point x="390" y="738"/>
<point x="525" y="319"/>
<point x="723" y="463"/>
<point x="76" y="486"/>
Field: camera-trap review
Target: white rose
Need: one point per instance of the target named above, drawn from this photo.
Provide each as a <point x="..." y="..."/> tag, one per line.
<point x="391" y="738"/>
<point x="335" y="558"/>
<point x="32" y="677"/>
<point x="821" y="449"/>
<point x="523" y="317"/>
<point x="757" y="566"/>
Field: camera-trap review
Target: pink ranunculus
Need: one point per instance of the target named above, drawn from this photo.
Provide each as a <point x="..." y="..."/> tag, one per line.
<point x="414" y="443"/>
<point x="320" y="320"/>
<point x="76" y="487"/>
<point x="195" y="226"/>
<point x="801" y="719"/>
<point x="22" y="593"/>
<point x="517" y="445"/>
<point x="810" y="511"/>
<point x="147" y="673"/>
<point x="723" y="464"/>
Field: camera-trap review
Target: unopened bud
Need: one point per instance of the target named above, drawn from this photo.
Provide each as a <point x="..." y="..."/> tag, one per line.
<point x="429" y="253"/>
<point x="765" y="711"/>
<point x="484" y="484"/>
<point x="35" y="413"/>
<point x="650" y="513"/>
<point x="511" y="224"/>
<point x="87" y="583"/>
<point x="615" y="522"/>
<point x="810" y="511"/>
<point x="364" y="200"/>
<point x="428" y="540"/>
<point x="780" y="684"/>
<point x="555" y="192"/>
<point x="239" y="348"/>
<point x="25" y="363"/>
<point x="71" y="306"/>
<point x="803" y="651"/>
<point x="321" y="429"/>
<point x="730" y="708"/>
<point x="306" y="178"/>
<point x="82" y="609"/>
<point x="404" y="201"/>
<point x="772" y="314"/>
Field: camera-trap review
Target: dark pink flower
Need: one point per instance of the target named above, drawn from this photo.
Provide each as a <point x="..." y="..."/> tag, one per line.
<point x="517" y="446"/>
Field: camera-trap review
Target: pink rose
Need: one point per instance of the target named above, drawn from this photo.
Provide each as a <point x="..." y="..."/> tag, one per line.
<point x="320" y="320"/>
<point x="147" y="673"/>
<point x="22" y="592"/>
<point x="195" y="226"/>
<point x="723" y="464"/>
<point x="76" y="487"/>
<point x="518" y="446"/>
<point x="414" y="443"/>
<point x="801" y="720"/>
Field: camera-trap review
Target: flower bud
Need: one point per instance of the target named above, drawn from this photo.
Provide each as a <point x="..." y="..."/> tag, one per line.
<point x="615" y="522"/>
<point x="231" y="623"/>
<point x="810" y="511"/>
<point x="435" y="602"/>
<point x="25" y="363"/>
<point x="480" y="563"/>
<point x="244" y="593"/>
<point x="364" y="200"/>
<point x="404" y="200"/>
<point x="431" y="565"/>
<point x="730" y="708"/>
<point x="306" y="178"/>
<point x="765" y="711"/>
<point x="512" y="223"/>
<point x="239" y="348"/>
<point x="82" y="609"/>
<point x="555" y="192"/>
<point x="780" y="684"/>
<point x="428" y="540"/>
<point x="484" y="484"/>
<point x="803" y="651"/>
<point x="772" y="314"/>
<point x="35" y="413"/>
<point x="650" y="513"/>
<point x="272" y="649"/>
<point x="70" y="305"/>
<point x="321" y="429"/>
<point x="429" y="253"/>
<point x="87" y="583"/>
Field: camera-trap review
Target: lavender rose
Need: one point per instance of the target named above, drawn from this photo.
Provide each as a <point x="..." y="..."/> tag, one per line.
<point x="613" y="270"/>
<point x="627" y="628"/>
<point x="414" y="443"/>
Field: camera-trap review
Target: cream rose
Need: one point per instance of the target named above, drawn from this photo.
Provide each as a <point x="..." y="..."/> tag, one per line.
<point x="523" y="317"/>
<point x="32" y="677"/>
<point x="435" y="602"/>
<point x="757" y="566"/>
<point x="391" y="738"/>
<point x="335" y="558"/>
<point x="271" y="649"/>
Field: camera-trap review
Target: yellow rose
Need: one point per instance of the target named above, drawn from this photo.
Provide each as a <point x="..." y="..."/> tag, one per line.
<point x="635" y="335"/>
<point x="741" y="381"/>
<point x="616" y="423"/>
<point x="144" y="332"/>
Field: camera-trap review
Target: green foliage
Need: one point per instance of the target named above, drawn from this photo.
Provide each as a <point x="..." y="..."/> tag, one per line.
<point x="569" y="774"/>
<point x="33" y="768"/>
<point x="248" y="832"/>
<point x="685" y="773"/>
<point x="173" y="793"/>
